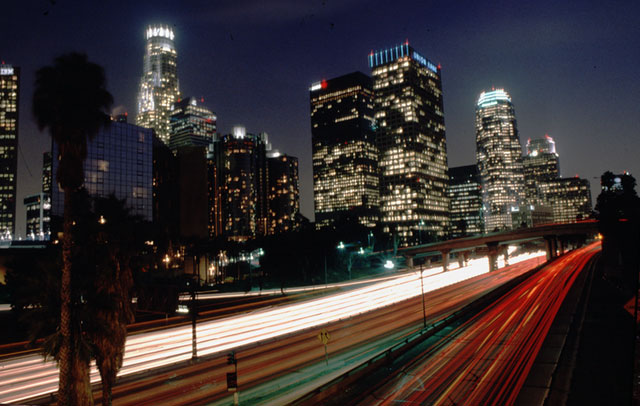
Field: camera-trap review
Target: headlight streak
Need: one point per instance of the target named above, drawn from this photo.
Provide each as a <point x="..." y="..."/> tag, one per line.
<point x="29" y="376"/>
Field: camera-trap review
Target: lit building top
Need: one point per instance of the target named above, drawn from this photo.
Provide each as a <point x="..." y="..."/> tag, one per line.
<point x="492" y="98"/>
<point x="541" y="145"/>
<point x="385" y="56"/>
<point x="159" y="82"/>
<point x="6" y="70"/>
<point x="159" y="31"/>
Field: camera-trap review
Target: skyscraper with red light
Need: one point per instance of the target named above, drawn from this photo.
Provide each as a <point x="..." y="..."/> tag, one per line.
<point x="345" y="157"/>
<point x="412" y="145"/>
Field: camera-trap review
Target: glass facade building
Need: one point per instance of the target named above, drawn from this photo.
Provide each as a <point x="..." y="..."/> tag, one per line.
<point x="345" y="157"/>
<point x="499" y="159"/>
<point x="540" y="163"/>
<point x="465" y="195"/>
<point x="119" y="162"/>
<point x="159" y="82"/>
<point x="411" y="141"/>
<point x="192" y="124"/>
<point x="9" y="112"/>
<point x="283" y="193"/>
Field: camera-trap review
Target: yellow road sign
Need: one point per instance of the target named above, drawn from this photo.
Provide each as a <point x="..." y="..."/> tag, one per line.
<point x="324" y="336"/>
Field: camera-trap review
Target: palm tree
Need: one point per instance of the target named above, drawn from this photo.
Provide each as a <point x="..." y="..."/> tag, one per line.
<point x="115" y="244"/>
<point x="71" y="100"/>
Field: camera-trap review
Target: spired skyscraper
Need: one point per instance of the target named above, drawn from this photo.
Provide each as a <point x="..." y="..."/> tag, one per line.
<point x="9" y="92"/>
<point x="159" y="83"/>
<point x="499" y="156"/>
<point x="412" y="145"/>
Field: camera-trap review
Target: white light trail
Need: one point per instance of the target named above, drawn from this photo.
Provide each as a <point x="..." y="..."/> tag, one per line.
<point x="29" y="376"/>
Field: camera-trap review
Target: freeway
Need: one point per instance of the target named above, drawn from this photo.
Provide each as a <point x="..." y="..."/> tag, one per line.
<point x="270" y="342"/>
<point x="485" y="360"/>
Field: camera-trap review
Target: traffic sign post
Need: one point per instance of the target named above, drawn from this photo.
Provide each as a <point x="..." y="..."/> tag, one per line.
<point x="324" y="338"/>
<point x="232" y="381"/>
<point x="232" y="377"/>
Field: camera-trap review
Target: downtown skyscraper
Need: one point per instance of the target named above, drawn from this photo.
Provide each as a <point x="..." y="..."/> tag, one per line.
<point x="499" y="156"/>
<point x="159" y="82"/>
<point x="9" y="109"/>
<point x="191" y="124"/>
<point x="238" y="185"/>
<point x="412" y="145"/>
<point x="345" y="157"/>
<point x="541" y="163"/>
<point x="465" y="194"/>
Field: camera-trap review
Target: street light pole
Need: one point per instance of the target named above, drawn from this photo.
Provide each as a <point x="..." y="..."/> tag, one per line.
<point x="424" y="309"/>
<point x="194" y="314"/>
<point x="325" y="271"/>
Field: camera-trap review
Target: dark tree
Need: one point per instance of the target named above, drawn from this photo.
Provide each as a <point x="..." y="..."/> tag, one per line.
<point x="618" y="212"/>
<point x="71" y="100"/>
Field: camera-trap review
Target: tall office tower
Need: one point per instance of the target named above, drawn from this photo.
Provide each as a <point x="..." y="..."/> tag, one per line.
<point x="568" y="198"/>
<point x="192" y="124"/>
<point x="283" y="193"/>
<point x="9" y="92"/>
<point x="540" y="163"/>
<point x="214" y="190"/>
<point x="159" y="83"/>
<point x="46" y="172"/>
<point x="119" y="163"/>
<point x="345" y="157"/>
<point x="465" y="195"/>
<point x="38" y="221"/>
<point x="499" y="156"/>
<point x="412" y="144"/>
<point x="166" y="190"/>
<point x="241" y="173"/>
<point x="38" y="206"/>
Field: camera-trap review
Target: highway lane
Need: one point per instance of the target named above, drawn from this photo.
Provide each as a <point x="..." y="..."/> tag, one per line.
<point x="28" y="376"/>
<point x="486" y="360"/>
<point x="270" y="371"/>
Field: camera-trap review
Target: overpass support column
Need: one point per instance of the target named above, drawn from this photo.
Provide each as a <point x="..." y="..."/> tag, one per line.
<point x="409" y="262"/>
<point x="551" y="245"/>
<point x="445" y="260"/>
<point x="505" y="254"/>
<point x="492" y="255"/>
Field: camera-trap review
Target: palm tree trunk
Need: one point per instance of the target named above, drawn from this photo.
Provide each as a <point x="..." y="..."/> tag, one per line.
<point x="64" y="384"/>
<point x="80" y="388"/>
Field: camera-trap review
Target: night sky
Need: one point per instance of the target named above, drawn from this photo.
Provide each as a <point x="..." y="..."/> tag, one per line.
<point x="570" y="67"/>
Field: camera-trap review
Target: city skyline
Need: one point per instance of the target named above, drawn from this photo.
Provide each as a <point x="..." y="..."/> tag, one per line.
<point x="256" y="66"/>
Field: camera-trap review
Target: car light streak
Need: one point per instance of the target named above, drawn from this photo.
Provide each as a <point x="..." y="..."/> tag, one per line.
<point x="486" y="359"/>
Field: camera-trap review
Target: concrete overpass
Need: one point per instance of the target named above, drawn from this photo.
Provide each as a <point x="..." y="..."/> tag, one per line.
<point x="554" y="235"/>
